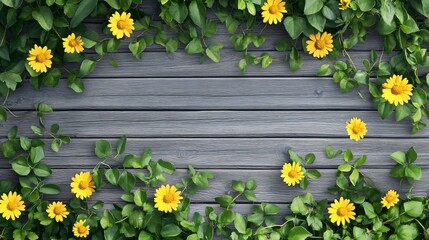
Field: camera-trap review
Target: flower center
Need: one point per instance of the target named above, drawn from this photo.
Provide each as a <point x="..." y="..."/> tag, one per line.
<point x="356" y="130"/>
<point x="121" y="24"/>
<point x="273" y="9"/>
<point x="83" y="185"/>
<point x="396" y="90"/>
<point x="320" y="44"/>
<point x="41" y="58"/>
<point x="58" y="210"/>
<point x="292" y="174"/>
<point x="81" y="229"/>
<point x="11" y="206"/>
<point x="342" y="211"/>
<point x="168" y="198"/>
<point x="73" y="43"/>
<point x="390" y="198"/>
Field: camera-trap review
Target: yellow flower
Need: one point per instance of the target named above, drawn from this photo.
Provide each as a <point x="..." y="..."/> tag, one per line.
<point x="121" y="24"/>
<point x="320" y="45"/>
<point x="167" y="198"/>
<point x="397" y="90"/>
<point x="57" y="211"/>
<point x="356" y="128"/>
<point x="341" y="211"/>
<point x="82" y="185"/>
<point x="344" y="4"/>
<point x="72" y="43"/>
<point x="11" y="205"/>
<point x="39" y="58"/>
<point x="292" y="173"/>
<point x="390" y="199"/>
<point x="273" y="11"/>
<point x="80" y="230"/>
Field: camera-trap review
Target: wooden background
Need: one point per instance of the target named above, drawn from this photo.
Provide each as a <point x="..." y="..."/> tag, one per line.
<point x="211" y="116"/>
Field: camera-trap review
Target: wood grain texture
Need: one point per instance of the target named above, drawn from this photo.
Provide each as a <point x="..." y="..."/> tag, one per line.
<point x="240" y="153"/>
<point x="195" y="93"/>
<point x="101" y="124"/>
<point x="270" y="186"/>
<point x="180" y="64"/>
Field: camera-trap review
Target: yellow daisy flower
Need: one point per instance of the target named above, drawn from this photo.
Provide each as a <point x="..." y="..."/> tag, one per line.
<point x="341" y="211"/>
<point x="121" y="24"/>
<point x="272" y="11"/>
<point x="397" y="90"/>
<point x="39" y="58"/>
<point x="11" y="205"/>
<point x="292" y="173"/>
<point x="167" y="198"/>
<point x="356" y="129"/>
<point x="72" y="43"/>
<point x="82" y="185"/>
<point x="390" y="199"/>
<point x="57" y="211"/>
<point x="320" y="44"/>
<point x="80" y="230"/>
<point x="344" y="4"/>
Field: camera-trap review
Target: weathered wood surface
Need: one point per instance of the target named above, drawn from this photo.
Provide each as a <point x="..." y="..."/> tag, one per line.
<point x="213" y="117"/>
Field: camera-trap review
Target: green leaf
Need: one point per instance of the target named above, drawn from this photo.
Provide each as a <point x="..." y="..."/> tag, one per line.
<point x="294" y="26"/>
<point x="3" y="114"/>
<point x="42" y="170"/>
<point x="313" y="173"/>
<point x="407" y="232"/>
<point x="103" y="148"/>
<point x="419" y="97"/>
<point x="172" y="45"/>
<point x="324" y="70"/>
<point x="312" y="6"/>
<point x="197" y="12"/>
<point x="11" y="79"/>
<point x="409" y="26"/>
<point x="179" y="12"/>
<point x="251" y="184"/>
<point x="298" y="206"/>
<point x="226" y="217"/>
<point x="295" y="60"/>
<point x="399" y="157"/>
<point x="360" y="161"/>
<point x="52" y="78"/>
<point x="213" y="51"/>
<point x="83" y="10"/>
<point x="140" y="197"/>
<point x="120" y="145"/>
<point x="299" y="233"/>
<point x="194" y="47"/>
<point x="112" y="175"/>
<point x="317" y="21"/>
<point x="12" y="3"/>
<point x="20" y="166"/>
<point x="344" y="168"/>
<point x="401" y="112"/>
<point x="348" y="155"/>
<point x="50" y="189"/>
<point x="145" y="236"/>
<point x="87" y="66"/>
<point x="411" y="155"/>
<point x="413" y="208"/>
<point x="369" y="210"/>
<point x="354" y="177"/>
<point x="44" y="17"/>
<point x="413" y="171"/>
<point x="238" y="186"/>
<point x="310" y="158"/>
<point x="387" y="11"/>
<point x="271" y="209"/>
<point x="127" y="181"/>
<point x="240" y="223"/>
<point x="365" y="5"/>
<point x="37" y="154"/>
<point x="170" y="230"/>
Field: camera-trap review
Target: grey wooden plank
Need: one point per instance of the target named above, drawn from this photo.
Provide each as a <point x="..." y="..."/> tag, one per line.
<point x="271" y="187"/>
<point x="272" y="33"/>
<point x="180" y="64"/>
<point x="240" y="153"/>
<point x="214" y="124"/>
<point x="195" y="93"/>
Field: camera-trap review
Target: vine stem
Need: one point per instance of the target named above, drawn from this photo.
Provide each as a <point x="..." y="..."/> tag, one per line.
<point x="350" y="59"/>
